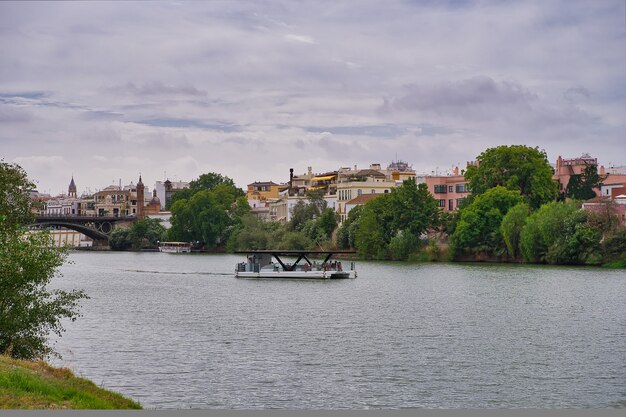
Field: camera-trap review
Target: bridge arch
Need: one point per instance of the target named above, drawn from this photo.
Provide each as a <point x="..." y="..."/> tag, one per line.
<point x="84" y="229"/>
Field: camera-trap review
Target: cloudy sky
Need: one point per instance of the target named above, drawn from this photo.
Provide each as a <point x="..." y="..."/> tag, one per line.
<point x="105" y="91"/>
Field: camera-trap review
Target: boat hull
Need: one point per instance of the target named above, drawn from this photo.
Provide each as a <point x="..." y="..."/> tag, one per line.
<point x="298" y="274"/>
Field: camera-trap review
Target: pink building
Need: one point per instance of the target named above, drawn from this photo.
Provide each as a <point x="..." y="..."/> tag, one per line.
<point x="565" y="168"/>
<point x="449" y="190"/>
<point x="602" y="204"/>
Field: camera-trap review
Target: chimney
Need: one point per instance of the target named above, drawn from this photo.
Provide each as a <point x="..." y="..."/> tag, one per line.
<point x="602" y="170"/>
<point x="456" y="171"/>
<point x="290" y="192"/>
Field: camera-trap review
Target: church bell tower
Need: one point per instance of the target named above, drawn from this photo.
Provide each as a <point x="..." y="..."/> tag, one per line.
<point x="71" y="190"/>
<point x="140" y="199"/>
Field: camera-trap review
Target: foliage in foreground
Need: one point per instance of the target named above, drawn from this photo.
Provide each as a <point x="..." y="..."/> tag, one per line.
<point x="29" y="310"/>
<point x="36" y="385"/>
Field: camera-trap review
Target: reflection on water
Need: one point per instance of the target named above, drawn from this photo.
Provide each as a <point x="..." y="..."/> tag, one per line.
<point x="179" y="331"/>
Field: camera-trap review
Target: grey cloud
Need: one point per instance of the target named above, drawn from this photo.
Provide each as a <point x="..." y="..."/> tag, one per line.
<point x="460" y="96"/>
<point x="157" y="88"/>
<point x="380" y="131"/>
<point x="12" y="114"/>
<point x="189" y="123"/>
<point x="574" y="94"/>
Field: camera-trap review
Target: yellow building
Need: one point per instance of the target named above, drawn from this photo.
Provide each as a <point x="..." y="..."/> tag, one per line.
<point x="261" y="191"/>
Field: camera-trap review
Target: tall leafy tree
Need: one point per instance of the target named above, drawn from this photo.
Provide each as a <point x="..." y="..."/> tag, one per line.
<point x="516" y="167"/>
<point x="401" y="217"/>
<point x="208" y="211"/>
<point x="478" y="228"/>
<point x="346" y="234"/>
<point x="29" y="310"/>
<point x="581" y="186"/>
<point x="207" y="182"/>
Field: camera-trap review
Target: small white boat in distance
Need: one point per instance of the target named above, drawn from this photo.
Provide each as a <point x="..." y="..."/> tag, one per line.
<point x="175" y="247"/>
<point x="260" y="264"/>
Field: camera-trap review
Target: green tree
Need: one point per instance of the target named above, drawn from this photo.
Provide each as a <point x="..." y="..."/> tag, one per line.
<point x="413" y="208"/>
<point x="201" y="218"/>
<point x="478" y="228"/>
<point x="581" y="186"/>
<point x="29" y="310"/>
<point x="346" y="234"/>
<point x="515" y="167"/>
<point x="558" y="233"/>
<point x="614" y="246"/>
<point x="146" y="233"/>
<point x="208" y="216"/>
<point x="511" y="228"/>
<point x="398" y="218"/>
<point x="371" y="237"/>
<point x="121" y="239"/>
<point x="254" y="233"/>
<point x="206" y="182"/>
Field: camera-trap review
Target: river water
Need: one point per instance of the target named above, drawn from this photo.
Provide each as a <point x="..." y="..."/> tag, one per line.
<point x="179" y="331"/>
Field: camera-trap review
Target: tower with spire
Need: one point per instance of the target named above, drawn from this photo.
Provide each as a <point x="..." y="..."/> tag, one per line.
<point x="140" y="199"/>
<point x="71" y="190"/>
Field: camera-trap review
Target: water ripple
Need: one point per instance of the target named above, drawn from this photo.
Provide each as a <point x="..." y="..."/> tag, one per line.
<point x="180" y="332"/>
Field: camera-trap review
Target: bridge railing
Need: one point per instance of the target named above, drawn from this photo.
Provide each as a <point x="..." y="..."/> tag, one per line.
<point x="82" y="217"/>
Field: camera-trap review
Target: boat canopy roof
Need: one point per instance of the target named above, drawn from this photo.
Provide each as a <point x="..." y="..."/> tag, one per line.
<point x="295" y="252"/>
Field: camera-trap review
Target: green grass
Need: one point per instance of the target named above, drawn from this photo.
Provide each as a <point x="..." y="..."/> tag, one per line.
<point x="37" y="385"/>
<point x="616" y="264"/>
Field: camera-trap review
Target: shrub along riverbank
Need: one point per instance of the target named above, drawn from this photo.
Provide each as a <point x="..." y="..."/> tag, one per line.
<point x="37" y="385"/>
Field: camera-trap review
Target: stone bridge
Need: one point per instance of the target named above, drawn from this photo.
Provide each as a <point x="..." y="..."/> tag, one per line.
<point x="97" y="228"/>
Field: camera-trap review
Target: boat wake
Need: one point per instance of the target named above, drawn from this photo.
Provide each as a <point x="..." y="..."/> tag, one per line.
<point x="144" y="271"/>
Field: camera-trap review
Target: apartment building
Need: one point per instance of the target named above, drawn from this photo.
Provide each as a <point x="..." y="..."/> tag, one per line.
<point x="353" y="183"/>
<point x="448" y="190"/>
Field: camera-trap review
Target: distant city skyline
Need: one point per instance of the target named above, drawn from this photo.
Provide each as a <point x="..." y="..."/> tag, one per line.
<point x="105" y="91"/>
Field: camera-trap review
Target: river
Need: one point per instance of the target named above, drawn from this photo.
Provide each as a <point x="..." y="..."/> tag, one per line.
<point x="179" y="331"/>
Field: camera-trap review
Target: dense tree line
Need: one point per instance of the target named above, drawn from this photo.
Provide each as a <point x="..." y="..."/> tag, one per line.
<point x="513" y="213"/>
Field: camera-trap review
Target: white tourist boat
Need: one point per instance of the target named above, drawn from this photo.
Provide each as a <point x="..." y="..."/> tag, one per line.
<point x="175" y="247"/>
<point x="269" y="264"/>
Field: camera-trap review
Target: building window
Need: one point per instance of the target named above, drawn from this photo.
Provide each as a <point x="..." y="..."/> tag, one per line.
<point x="373" y="191"/>
<point x="442" y="203"/>
<point x="440" y="189"/>
<point x="451" y="204"/>
<point x="358" y="192"/>
<point x="450" y="188"/>
<point x="461" y="188"/>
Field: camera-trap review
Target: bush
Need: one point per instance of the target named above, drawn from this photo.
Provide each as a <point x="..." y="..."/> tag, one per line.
<point x="120" y="239"/>
<point x="511" y="228"/>
<point x="558" y="233"/>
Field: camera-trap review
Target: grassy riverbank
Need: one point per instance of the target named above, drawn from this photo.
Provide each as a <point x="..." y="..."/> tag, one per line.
<point x="37" y="385"/>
